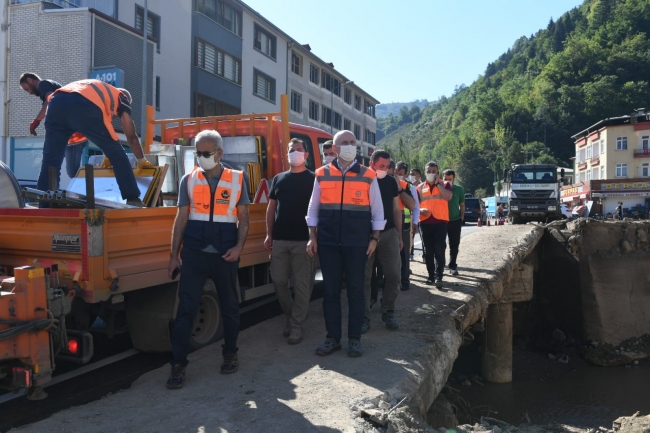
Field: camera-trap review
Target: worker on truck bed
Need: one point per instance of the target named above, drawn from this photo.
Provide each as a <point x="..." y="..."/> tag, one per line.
<point x="211" y="225"/>
<point x="34" y="85"/>
<point x="88" y="107"/>
<point x="345" y="217"/>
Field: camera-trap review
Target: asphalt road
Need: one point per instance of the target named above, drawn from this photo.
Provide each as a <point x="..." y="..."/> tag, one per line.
<point x="467" y="229"/>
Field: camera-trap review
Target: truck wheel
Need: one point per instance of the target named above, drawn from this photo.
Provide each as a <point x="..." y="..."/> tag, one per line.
<point x="208" y="323"/>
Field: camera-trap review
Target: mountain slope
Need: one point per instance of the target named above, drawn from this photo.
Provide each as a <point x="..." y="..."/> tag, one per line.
<point x="592" y="63"/>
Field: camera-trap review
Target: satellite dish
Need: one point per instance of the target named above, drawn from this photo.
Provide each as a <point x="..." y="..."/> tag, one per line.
<point x="9" y="189"/>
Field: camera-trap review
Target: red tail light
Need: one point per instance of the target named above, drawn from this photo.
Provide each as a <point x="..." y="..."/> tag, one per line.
<point x="22" y="377"/>
<point x="73" y="346"/>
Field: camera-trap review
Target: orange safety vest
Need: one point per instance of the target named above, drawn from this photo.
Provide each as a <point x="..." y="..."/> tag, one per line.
<point x="226" y="196"/>
<point x="76" y="139"/>
<point x="344" y="216"/>
<point x="403" y="184"/>
<point x="105" y="96"/>
<point x="431" y="198"/>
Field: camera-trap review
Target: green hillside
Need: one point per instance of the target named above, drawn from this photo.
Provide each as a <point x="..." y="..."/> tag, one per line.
<point x="590" y="64"/>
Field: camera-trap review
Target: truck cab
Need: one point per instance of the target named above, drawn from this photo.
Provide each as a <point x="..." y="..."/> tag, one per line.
<point x="534" y="193"/>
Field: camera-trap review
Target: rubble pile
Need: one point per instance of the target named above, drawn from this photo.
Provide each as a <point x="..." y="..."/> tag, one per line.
<point x="632" y="351"/>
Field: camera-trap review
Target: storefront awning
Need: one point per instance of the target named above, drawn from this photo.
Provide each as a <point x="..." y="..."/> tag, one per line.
<point x="621" y="194"/>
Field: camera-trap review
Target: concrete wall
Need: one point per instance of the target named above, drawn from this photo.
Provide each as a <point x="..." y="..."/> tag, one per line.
<point x="253" y="59"/>
<point x="174" y="58"/>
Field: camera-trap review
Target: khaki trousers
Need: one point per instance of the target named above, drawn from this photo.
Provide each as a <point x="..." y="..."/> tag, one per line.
<point x="388" y="255"/>
<point x="290" y="259"/>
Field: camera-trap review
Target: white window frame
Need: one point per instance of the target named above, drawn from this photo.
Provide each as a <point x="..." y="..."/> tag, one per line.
<point x="582" y="153"/>
<point x="602" y="147"/>
<point x="621" y="170"/>
<point x="621" y="143"/>
<point x="645" y="169"/>
<point x="595" y="150"/>
<point x="588" y="175"/>
<point x="589" y="153"/>
<point x="594" y="173"/>
<point x="267" y="42"/>
<point x="602" y="172"/>
<point x="645" y="142"/>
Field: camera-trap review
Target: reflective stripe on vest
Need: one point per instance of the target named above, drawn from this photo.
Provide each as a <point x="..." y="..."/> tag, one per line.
<point x="354" y="196"/>
<point x="432" y="200"/>
<point x="105" y="96"/>
<point x="76" y="139"/>
<point x="226" y="196"/>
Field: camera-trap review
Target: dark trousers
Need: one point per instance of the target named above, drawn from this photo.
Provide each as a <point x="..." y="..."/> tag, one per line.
<point x="334" y="262"/>
<point x="404" y="254"/>
<point x="68" y="113"/>
<point x="434" y="238"/>
<point x="198" y="266"/>
<point x="73" y="156"/>
<point x="453" y="231"/>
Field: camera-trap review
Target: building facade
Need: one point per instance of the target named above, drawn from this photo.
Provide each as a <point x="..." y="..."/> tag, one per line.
<point x="612" y="164"/>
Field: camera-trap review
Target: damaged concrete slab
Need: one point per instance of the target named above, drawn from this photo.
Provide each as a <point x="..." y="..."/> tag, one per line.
<point x="283" y="388"/>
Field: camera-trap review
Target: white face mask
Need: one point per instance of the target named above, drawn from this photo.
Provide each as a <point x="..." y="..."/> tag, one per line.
<point x="347" y="153"/>
<point x="431" y="177"/>
<point x="328" y="159"/>
<point x="296" y="158"/>
<point x="381" y="173"/>
<point x="207" y="164"/>
<point x="400" y="177"/>
<point x="410" y="179"/>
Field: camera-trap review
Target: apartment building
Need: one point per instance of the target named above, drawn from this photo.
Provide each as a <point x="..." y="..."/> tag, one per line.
<point x="612" y="163"/>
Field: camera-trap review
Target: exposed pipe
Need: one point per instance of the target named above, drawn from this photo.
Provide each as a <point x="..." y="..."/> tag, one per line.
<point x="143" y="122"/>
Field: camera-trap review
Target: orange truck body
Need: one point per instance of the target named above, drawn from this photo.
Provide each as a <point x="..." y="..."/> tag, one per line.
<point x="105" y="253"/>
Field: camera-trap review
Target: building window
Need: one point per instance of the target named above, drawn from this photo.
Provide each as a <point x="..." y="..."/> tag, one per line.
<point x="588" y="175"/>
<point x="357" y="102"/>
<point x="588" y="152"/>
<point x="332" y="84"/>
<point x="313" y="110"/>
<point x="581" y="157"/>
<point x="153" y="23"/>
<point x="347" y="124"/>
<point x="370" y="137"/>
<point x="314" y="73"/>
<point x="206" y="106"/>
<point x="357" y="131"/>
<point x="296" y="63"/>
<point x="621" y="143"/>
<point x="347" y="96"/>
<point x="326" y="118"/>
<point x="265" y="42"/>
<point x="263" y="86"/>
<point x="602" y="147"/>
<point x="157" y="93"/>
<point x="602" y="172"/>
<point x="222" y="13"/>
<point x="217" y="61"/>
<point x="594" y="175"/>
<point x="645" y="169"/>
<point x="595" y="150"/>
<point x="368" y="108"/>
<point x="645" y="143"/>
<point x="621" y="170"/>
<point x="296" y="102"/>
<point x="337" y="120"/>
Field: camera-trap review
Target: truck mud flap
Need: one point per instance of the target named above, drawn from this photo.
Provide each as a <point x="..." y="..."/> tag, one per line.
<point x="149" y="313"/>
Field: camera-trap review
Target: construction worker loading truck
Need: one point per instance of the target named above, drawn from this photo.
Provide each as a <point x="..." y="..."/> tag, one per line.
<point x="88" y="107"/>
<point x="34" y="85"/>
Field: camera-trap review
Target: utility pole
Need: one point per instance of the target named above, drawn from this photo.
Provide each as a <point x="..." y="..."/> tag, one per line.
<point x="143" y="121"/>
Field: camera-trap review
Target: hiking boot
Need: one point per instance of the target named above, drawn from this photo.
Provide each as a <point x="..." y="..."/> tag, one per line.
<point x="230" y="363"/>
<point x="453" y="272"/>
<point x="429" y="281"/>
<point x="389" y="319"/>
<point x="328" y="347"/>
<point x="354" y="348"/>
<point x="287" y="327"/>
<point x="366" y="325"/>
<point x="176" y="377"/>
<point x="295" y="336"/>
<point x="135" y="202"/>
<point x="439" y="283"/>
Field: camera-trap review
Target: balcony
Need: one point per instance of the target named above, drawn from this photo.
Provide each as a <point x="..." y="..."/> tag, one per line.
<point x="582" y="165"/>
<point x="641" y="153"/>
<point x="594" y="161"/>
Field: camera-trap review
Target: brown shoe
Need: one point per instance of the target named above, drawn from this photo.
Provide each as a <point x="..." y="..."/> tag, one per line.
<point x="295" y="336"/>
<point x="287" y="327"/>
<point x="230" y="364"/>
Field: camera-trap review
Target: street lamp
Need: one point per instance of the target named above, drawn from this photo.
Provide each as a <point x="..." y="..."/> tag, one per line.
<point x="332" y="103"/>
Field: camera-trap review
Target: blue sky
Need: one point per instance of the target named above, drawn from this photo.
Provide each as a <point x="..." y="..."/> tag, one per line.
<point x="399" y="51"/>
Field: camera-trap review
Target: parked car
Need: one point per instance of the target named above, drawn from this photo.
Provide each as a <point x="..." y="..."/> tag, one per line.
<point x="566" y="210"/>
<point x="475" y="210"/>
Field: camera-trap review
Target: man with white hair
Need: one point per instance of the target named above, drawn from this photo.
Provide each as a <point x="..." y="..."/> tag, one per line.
<point x="211" y="226"/>
<point x="88" y="107"/>
<point x="345" y="217"/>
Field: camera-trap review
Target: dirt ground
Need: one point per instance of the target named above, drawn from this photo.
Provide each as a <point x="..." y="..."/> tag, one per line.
<point x="282" y="388"/>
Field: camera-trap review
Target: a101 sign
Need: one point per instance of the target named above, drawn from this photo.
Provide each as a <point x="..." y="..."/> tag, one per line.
<point x="113" y="76"/>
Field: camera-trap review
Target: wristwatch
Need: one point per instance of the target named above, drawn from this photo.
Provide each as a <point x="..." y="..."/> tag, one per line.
<point x="373" y="238"/>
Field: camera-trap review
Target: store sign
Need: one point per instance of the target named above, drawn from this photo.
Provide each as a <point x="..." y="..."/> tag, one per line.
<point x="572" y="191"/>
<point x="621" y="186"/>
<point x="112" y="76"/>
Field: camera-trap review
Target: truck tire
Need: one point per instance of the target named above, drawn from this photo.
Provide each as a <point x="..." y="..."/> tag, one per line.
<point x="208" y="322"/>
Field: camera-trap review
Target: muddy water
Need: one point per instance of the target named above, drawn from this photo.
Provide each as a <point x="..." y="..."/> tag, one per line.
<point x="545" y="391"/>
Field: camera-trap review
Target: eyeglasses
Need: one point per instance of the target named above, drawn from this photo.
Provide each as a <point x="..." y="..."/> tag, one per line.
<point x="205" y="154"/>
